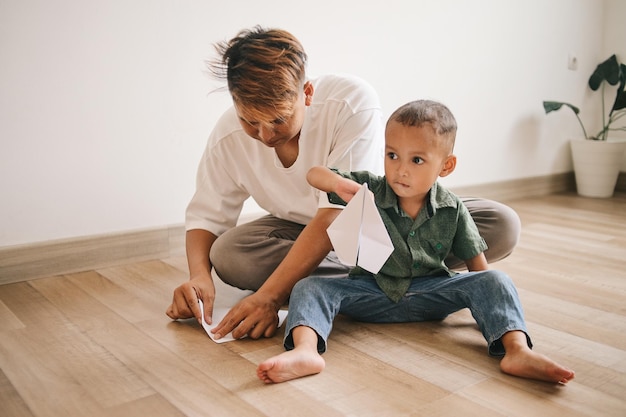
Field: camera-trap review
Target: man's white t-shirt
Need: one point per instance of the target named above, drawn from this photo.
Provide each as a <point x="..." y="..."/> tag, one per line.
<point x="343" y="128"/>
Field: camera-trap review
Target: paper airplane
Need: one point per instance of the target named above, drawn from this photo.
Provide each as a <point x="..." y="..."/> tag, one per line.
<point x="358" y="234"/>
<point x="218" y="315"/>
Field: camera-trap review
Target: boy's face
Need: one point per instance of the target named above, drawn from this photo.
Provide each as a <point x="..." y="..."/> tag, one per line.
<point x="414" y="158"/>
<point x="276" y="129"/>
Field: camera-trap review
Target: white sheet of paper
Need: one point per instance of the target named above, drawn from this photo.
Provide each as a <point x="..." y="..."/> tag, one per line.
<point x="358" y="234"/>
<point x="218" y="315"/>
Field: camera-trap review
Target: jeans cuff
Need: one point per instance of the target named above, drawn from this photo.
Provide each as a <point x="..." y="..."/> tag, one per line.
<point x="288" y="340"/>
<point x="497" y="348"/>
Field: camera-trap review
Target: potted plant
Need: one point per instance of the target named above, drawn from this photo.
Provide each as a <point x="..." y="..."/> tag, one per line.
<point x="596" y="159"/>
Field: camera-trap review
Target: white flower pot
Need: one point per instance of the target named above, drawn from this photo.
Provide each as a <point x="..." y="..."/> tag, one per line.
<point x="596" y="166"/>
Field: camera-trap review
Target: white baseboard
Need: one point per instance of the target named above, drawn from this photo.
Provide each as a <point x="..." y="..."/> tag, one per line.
<point x="29" y="261"/>
<point x="523" y="188"/>
<point x="43" y="259"/>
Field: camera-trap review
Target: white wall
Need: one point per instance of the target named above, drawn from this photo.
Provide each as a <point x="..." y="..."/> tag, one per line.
<point x="104" y="105"/>
<point x="615" y="43"/>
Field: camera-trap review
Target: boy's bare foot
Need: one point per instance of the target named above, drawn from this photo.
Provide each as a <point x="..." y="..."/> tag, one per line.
<point x="528" y="364"/>
<point x="289" y="365"/>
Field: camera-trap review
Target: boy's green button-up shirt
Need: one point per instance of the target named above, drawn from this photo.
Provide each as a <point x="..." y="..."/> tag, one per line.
<point x="443" y="225"/>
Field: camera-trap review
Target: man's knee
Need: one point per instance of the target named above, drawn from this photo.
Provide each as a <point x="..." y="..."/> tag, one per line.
<point x="245" y="260"/>
<point x="498" y="224"/>
<point x="233" y="265"/>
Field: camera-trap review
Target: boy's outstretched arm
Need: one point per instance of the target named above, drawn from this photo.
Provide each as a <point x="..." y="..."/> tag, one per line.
<point x="328" y="181"/>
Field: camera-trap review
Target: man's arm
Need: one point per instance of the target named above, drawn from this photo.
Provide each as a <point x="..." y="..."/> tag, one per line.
<point x="200" y="285"/>
<point x="256" y="315"/>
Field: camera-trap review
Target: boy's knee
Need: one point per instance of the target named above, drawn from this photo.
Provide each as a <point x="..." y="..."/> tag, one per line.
<point x="498" y="281"/>
<point x="500" y="276"/>
<point x="306" y="285"/>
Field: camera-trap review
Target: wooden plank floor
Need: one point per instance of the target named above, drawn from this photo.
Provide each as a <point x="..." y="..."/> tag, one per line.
<point x="98" y="343"/>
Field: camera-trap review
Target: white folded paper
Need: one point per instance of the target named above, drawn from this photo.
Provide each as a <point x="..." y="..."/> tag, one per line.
<point x="219" y="313"/>
<point x="358" y="234"/>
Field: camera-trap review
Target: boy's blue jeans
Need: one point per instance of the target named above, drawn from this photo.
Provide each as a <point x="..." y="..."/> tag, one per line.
<point x="490" y="296"/>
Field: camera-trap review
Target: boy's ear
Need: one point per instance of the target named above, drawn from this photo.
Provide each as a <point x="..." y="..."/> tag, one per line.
<point x="448" y="166"/>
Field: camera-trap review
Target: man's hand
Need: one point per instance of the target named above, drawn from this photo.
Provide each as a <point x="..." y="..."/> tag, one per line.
<point x="200" y="286"/>
<point x="185" y="301"/>
<point x="255" y="316"/>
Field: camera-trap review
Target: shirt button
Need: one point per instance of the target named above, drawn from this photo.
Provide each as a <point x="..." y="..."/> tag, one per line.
<point x="412" y="233"/>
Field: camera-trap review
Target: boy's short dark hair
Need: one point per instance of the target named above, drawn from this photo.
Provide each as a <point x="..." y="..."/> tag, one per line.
<point x="419" y="112"/>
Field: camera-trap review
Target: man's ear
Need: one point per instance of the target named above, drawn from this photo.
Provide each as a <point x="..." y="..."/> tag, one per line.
<point x="448" y="166"/>
<point x="308" y="93"/>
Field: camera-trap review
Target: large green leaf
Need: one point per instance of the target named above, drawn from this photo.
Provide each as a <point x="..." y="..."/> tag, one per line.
<point x="608" y="71"/>
<point x="620" y="99"/>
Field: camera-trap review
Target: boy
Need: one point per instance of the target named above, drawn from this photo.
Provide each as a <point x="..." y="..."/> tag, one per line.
<point x="425" y="223"/>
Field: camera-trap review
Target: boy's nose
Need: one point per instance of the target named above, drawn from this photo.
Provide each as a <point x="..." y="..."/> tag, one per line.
<point x="403" y="170"/>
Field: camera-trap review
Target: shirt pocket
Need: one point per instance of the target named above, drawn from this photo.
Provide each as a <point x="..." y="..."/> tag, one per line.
<point x="437" y="248"/>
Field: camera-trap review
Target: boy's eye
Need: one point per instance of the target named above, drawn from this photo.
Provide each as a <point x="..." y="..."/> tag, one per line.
<point x="392" y="155"/>
<point x="418" y="160"/>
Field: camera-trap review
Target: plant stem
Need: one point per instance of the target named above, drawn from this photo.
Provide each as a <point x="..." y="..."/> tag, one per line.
<point x="602" y="134"/>
<point x="582" y="126"/>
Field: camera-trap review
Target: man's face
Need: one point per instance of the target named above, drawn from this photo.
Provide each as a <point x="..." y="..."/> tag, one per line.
<point x="275" y="129"/>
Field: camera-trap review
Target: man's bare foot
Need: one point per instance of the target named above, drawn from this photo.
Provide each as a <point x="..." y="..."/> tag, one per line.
<point x="528" y="364"/>
<point x="289" y="365"/>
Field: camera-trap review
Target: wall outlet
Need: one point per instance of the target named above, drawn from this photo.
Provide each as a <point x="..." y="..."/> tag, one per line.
<point x="572" y="62"/>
